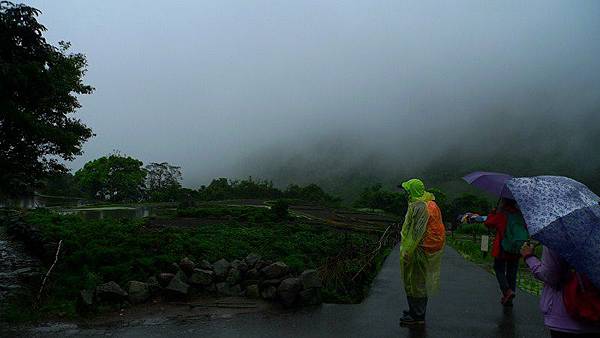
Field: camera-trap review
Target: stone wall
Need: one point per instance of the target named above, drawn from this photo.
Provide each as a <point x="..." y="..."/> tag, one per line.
<point x="251" y="277"/>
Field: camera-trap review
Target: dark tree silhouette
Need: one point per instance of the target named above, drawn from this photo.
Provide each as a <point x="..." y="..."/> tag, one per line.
<point x="39" y="84"/>
<point x="163" y="181"/>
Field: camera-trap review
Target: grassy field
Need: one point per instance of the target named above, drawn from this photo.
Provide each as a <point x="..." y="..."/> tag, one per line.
<point x="467" y="241"/>
<point x="97" y="251"/>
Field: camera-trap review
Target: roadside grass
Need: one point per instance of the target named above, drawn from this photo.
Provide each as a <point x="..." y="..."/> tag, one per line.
<point x="120" y="250"/>
<point x="467" y="241"/>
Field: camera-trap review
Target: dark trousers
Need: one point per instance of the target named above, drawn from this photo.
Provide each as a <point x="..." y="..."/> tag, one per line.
<point x="506" y="273"/>
<point x="417" y="306"/>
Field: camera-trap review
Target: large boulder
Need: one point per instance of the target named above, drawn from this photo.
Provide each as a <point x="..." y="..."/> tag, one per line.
<point x="252" y="274"/>
<point x="252" y="259"/>
<point x="164" y="278"/>
<point x="181" y="275"/>
<point x="221" y="268"/>
<point x="274" y="282"/>
<point x="85" y="302"/>
<point x="252" y="291"/>
<point x="201" y="277"/>
<point x="235" y="290"/>
<point x="153" y="285"/>
<point x="211" y="288"/>
<point x="239" y="265"/>
<point x="177" y="287"/>
<point x="175" y="267"/>
<point x="310" y="296"/>
<point x="228" y="290"/>
<point x="234" y="276"/>
<point x="87" y="297"/>
<point x="310" y="279"/>
<point x="187" y="265"/>
<point x="288" y="290"/>
<point x="269" y="292"/>
<point x="221" y="287"/>
<point x="110" y="291"/>
<point x="139" y="292"/>
<point x="275" y="270"/>
<point x="205" y="265"/>
<point x="261" y="264"/>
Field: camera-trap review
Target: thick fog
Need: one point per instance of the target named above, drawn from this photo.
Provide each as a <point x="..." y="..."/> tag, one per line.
<point x="330" y="91"/>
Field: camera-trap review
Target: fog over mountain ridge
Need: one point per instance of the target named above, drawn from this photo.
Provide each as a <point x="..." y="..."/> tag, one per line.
<point x="334" y="91"/>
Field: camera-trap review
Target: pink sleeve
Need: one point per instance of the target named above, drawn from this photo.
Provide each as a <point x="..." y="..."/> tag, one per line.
<point x="549" y="270"/>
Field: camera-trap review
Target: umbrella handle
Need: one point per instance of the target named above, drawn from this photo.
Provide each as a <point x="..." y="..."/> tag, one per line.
<point x="580" y="281"/>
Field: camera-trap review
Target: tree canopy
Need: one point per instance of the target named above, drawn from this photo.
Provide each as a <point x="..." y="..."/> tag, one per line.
<point x="375" y="197"/>
<point x="222" y="189"/>
<point x="115" y="177"/>
<point x="39" y="84"/>
<point x="163" y="181"/>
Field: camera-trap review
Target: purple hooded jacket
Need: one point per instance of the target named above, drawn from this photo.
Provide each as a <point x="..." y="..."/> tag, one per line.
<point x="552" y="270"/>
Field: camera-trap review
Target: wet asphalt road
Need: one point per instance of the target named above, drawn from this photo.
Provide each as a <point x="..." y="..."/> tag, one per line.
<point x="466" y="306"/>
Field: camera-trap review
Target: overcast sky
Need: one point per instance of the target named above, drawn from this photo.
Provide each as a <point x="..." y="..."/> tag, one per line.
<point x="208" y="85"/>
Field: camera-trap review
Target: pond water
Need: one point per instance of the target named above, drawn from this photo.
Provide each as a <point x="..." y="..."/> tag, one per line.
<point x="41" y="201"/>
<point x="111" y="212"/>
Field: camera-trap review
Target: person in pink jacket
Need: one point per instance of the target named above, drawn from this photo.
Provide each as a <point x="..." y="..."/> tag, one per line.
<point x="552" y="270"/>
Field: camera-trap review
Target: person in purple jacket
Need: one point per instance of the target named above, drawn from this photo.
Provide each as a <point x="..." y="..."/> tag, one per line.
<point x="553" y="270"/>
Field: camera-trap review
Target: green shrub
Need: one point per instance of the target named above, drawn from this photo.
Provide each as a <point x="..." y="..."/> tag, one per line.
<point x="375" y="197"/>
<point x="280" y="209"/>
<point x="472" y="228"/>
<point x="234" y="213"/>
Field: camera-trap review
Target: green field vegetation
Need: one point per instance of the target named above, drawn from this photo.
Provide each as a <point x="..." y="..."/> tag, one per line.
<point x="234" y="213"/>
<point x="97" y="251"/>
<point x="467" y="241"/>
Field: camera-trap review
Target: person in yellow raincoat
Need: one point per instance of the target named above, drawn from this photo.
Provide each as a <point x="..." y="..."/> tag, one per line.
<point x="423" y="239"/>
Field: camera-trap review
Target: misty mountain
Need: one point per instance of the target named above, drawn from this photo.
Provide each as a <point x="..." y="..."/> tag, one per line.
<point x="546" y="143"/>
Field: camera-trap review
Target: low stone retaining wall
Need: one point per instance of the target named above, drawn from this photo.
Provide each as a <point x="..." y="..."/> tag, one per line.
<point x="251" y="277"/>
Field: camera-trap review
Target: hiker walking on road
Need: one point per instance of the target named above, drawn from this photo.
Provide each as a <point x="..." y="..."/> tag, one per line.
<point x="511" y="233"/>
<point x="423" y="239"/>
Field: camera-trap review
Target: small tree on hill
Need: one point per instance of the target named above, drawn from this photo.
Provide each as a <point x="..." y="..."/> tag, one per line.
<point x="163" y="181"/>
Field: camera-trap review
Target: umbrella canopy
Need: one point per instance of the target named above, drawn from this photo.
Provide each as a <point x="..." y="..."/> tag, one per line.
<point x="564" y="215"/>
<point x="494" y="183"/>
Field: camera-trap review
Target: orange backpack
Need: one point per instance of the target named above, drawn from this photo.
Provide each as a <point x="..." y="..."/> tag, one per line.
<point x="435" y="235"/>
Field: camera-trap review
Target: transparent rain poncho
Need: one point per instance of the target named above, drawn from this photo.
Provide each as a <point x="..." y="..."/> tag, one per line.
<point x="423" y="237"/>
